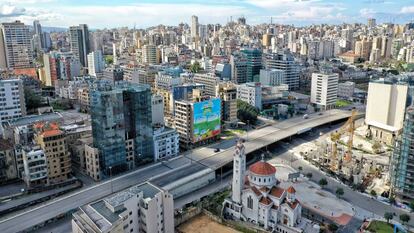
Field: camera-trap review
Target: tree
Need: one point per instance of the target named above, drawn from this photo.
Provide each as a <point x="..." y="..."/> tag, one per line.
<point x="195" y="67"/>
<point x="404" y="218"/>
<point x="392" y="200"/>
<point x="32" y="100"/>
<point x="309" y="175"/>
<point x="373" y="193"/>
<point x="340" y="192"/>
<point x="246" y="112"/>
<point x="323" y="182"/>
<point x="333" y="227"/>
<point x="376" y="147"/>
<point x="388" y="216"/>
<point x="300" y="168"/>
<point x="411" y="205"/>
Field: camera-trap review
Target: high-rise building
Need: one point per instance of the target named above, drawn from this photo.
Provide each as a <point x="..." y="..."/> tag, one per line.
<point x="96" y="63"/>
<point x="194" y="26"/>
<point x="284" y="61"/>
<point x="141" y="208"/>
<point x="38" y="32"/>
<point x="13" y="101"/>
<point x="52" y="141"/>
<point x="402" y="161"/>
<point x="254" y="63"/>
<point x="121" y="113"/>
<point x="372" y="22"/>
<point x="386" y="103"/>
<point x="79" y="43"/>
<point x="150" y="54"/>
<point x="209" y="80"/>
<point x="227" y="91"/>
<point x="324" y="89"/>
<point x="15" y="46"/>
<point x="272" y="77"/>
<point x="238" y="63"/>
<point x="60" y="66"/>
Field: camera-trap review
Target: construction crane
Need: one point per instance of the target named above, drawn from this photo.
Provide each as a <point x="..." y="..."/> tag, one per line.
<point x="348" y="127"/>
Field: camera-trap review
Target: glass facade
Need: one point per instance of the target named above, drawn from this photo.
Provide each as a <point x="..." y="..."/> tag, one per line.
<point x="254" y="63"/>
<point x="403" y="160"/>
<point x="120" y="112"/>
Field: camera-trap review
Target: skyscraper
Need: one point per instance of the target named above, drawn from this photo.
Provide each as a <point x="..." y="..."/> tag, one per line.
<point x="402" y="161"/>
<point x="79" y="42"/>
<point x="38" y="32"/>
<point x="121" y="114"/>
<point x="254" y="63"/>
<point x="194" y="26"/>
<point x="15" y="47"/>
<point x="238" y="63"/>
<point x="286" y="62"/>
<point x="95" y="63"/>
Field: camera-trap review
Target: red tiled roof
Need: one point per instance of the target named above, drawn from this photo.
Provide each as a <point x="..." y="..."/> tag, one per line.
<point x="265" y="201"/>
<point x="264" y="189"/>
<point x="293" y="204"/>
<point x="277" y="192"/>
<point x="262" y="168"/>
<point x="256" y="191"/>
<point x="291" y="190"/>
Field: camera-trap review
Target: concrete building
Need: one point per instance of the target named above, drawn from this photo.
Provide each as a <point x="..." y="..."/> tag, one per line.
<point x="35" y="167"/>
<point x="250" y="93"/>
<point x="189" y="113"/>
<point x="346" y="90"/>
<point x="227" y="91"/>
<point x="254" y="63"/>
<point x="209" y="81"/>
<point x="96" y="63"/>
<point x="52" y="141"/>
<point x="119" y="113"/>
<point x="15" y="47"/>
<point x="79" y="43"/>
<point x="273" y="77"/>
<point x="8" y="162"/>
<point x="324" y="89"/>
<point x="194" y="26"/>
<point x="257" y="198"/>
<point x="284" y="61"/>
<point x="238" y="63"/>
<point x="141" y="208"/>
<point x="60" y="66"/>
<point x="12" y="101"/>
<point x="157" y="109"/>
<point x="166" y="143"/>
<point x="150" y="54"/>
<point x="385" y="110"/>
<point x="113" y="74"/>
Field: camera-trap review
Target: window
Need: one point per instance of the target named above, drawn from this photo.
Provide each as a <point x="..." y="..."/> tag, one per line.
<point x="250" y="202"/>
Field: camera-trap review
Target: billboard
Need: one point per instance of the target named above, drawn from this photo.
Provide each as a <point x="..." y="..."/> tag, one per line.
<point x="206" y="116"/>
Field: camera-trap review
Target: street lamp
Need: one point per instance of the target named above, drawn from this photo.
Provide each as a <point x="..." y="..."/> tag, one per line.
<point x="110" y="179"/>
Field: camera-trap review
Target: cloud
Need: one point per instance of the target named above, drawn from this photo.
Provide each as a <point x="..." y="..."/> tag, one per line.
<point x="407" y="10"/>
<point x="8" y="10"/>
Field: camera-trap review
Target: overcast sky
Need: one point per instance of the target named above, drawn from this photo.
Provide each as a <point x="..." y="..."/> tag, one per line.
<point x="144" y="13"/>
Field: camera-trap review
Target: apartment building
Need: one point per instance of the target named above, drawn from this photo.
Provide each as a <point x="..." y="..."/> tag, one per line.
<point x="324" y="90"/>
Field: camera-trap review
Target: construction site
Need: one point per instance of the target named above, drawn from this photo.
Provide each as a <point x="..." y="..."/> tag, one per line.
<point x="350" y="154"/>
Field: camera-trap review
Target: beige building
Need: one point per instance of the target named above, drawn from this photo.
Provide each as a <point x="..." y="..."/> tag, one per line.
<point x="141" y="208"/>
<point x="8" y="164"/>
<point x="92" y="161"/>
<point x="83" y="98"/>
<point x="385" y="111"/>
<point x="227" y="91"/>
<point x="52" y="140"/>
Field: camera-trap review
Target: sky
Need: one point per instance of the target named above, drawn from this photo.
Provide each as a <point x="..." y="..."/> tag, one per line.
<point x="144" y="13"/>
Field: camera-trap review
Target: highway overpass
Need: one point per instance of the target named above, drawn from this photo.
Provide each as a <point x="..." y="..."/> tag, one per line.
<point x="165" y="173"/>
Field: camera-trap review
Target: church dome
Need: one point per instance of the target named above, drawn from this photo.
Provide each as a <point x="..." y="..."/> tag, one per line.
<point x="262" y="168"/>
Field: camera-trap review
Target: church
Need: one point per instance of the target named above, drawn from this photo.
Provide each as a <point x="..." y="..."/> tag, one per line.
<point x="256" y="197"/>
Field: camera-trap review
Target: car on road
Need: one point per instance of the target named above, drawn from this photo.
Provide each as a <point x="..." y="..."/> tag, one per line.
<point x="306" y="116"/>
<point x="216" y="150"/>
<point x="320" y="114"/>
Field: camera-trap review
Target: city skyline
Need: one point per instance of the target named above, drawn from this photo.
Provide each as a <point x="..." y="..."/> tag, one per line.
<point x="63" y="13"/>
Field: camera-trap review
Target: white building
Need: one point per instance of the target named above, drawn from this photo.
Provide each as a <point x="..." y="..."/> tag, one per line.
<point x="96" y="63"/>
<point x="346" y="90"/>
<point x="149" y="54"/>
<point x="166" y="143"/>
<point x="194" y="26"/>
<point x="35" y="167"/>
<point x="272" y="77"/>
<point x="11" y="99"/>
<point x="324" y="89"/>
<point x="256" y="198"/>
<point x="385" y="111"/>
<point x="157" y="109"/>
<point x="210" y="82"/>
<point x="250" y="93"/>
<point x="141" y="208"/>
<point x="166" y="81"/>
